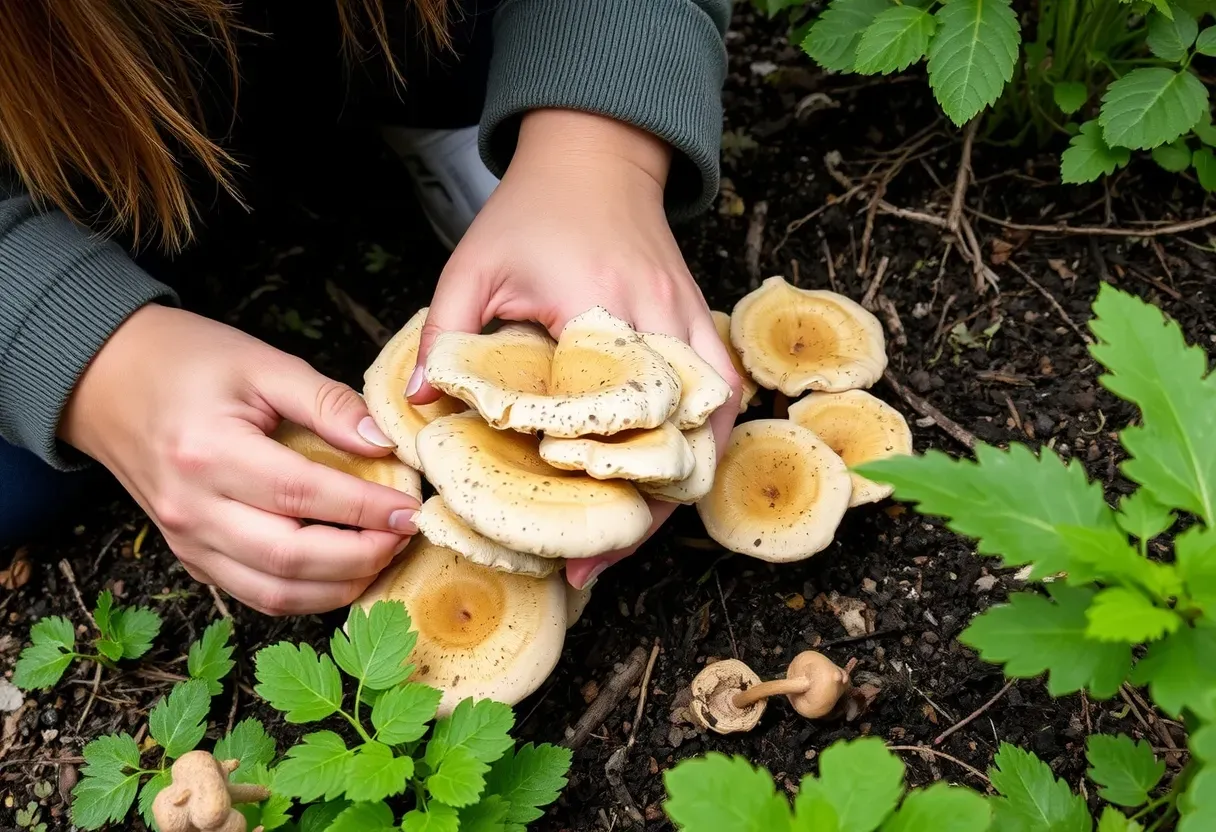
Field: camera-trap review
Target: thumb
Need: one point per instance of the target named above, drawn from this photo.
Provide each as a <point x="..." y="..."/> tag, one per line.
<point x="459" y="305"/>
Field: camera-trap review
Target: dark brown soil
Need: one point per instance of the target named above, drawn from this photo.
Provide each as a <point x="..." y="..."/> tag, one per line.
<point x="1005" y="365"/>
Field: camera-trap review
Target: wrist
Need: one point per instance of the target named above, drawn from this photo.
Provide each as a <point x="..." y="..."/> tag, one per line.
<point x="562" y="138"/>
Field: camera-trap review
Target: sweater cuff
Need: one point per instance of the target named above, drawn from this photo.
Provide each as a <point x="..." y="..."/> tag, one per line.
<point x="656" y="64"/>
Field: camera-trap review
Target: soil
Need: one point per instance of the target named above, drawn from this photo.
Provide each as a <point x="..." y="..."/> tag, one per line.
<point x="1005" y="365"/>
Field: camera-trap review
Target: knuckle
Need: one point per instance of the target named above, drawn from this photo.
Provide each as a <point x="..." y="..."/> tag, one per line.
<point x="272" y="600"/>
<point x="172" y="516"/>
<point x="284" y="561"/>
<point x="294" y="496"/>
<point x="335" y="398"/>
<point x="663" y="290"/>
<point x="191" y="456"/>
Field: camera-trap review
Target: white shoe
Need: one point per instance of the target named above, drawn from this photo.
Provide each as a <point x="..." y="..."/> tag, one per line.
<point x="451" y="180"/>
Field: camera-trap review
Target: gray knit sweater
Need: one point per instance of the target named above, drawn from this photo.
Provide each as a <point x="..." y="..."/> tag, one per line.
<point x="657" y="64"/>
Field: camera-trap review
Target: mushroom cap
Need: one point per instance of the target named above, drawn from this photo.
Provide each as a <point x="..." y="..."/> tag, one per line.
<point x="860" y="428"/>
<point x="660" y="454"/>
<point x="700" y="480"/>
<point x="482" y="633"/>
<point x="779" y="492"/>
<point x="384" y="385"/>
<point x="794" y="340"/>
<point x="386" y="470"/>
<point x="750" y="389"/>
<point x="829" y="684"/>
<point x="576" y="602"/>
<point x="713" y="691"/>
<point x="702" y="390"/>
<point x="443" y="527"/>
<point x="497" y="483"/>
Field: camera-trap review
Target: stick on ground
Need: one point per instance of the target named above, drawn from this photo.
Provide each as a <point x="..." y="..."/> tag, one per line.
<point x="952" y="428"/>
<point x="610" y="696"/>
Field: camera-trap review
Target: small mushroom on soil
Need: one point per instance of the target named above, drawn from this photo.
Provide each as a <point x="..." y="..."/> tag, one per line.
<point x="660" y="455"/>
<point x="387" y="470"/>
<point x="443" y="527"/>
<point x="699" y="481"/>
<point x="713" y="698"/>
<point x="860" y="428"/>
<point x="794" y="340"/>
<point x="200" y="798"/>
<point x="748" y="393"/>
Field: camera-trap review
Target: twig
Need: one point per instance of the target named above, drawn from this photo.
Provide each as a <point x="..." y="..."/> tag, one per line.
<point x="219" y="604"/>
<point x="610" y="696"/>
<point x="734" y="650"/>
<point x="92" y="697"/>
<point x="366" y="321"/>
<point x="924" y="749"/>
<point x="614" y="769"/>
<point x="637" y="714"/>
<point x="827" y="257"/>
<point x="983" y="274"/>
<point x="964" y="177"/>
<point x="1101" y="230"/>
<point x="952" y="428"/>
<point x="1155" y="727"/>
<point x="867" y="300"/>
<point x="974" y="715"/>
<point x="236" y="697"/>
<point x="1153" y="281"/>
<point x="898" y="336"/>
<point x="70" y="576"/>
<point x="754" y="241"/>
<point x="1055" y="304"/>
<point x="801" y="221"/>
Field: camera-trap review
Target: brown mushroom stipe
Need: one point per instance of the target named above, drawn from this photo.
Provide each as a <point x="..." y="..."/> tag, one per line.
<point x="482" y="633"/>
<point x="813" y="684"/>
<point x="702" y="390"/>
<point x="749" y="389"/>
<point x="443" y="527"/>
<point x="601" y="377"/>
<point x="713" y="698"/>
<point x="497" y="483"/>
<point x="794" y="340"/>
<point x="386" y="470"/>
<point x="384" y="385"/>
<point x="860" y="428"/>
<point x="699" y="481"/>
<point x="200" y="798"/>
<point x="660" y="455"/>
<point x="779" y="492"/>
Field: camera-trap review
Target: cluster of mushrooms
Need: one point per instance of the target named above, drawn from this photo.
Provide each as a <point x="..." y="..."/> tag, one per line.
<point x="543" y="450"/>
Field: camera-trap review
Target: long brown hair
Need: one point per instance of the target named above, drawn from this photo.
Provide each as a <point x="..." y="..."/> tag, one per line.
<point x="101" y="92"/>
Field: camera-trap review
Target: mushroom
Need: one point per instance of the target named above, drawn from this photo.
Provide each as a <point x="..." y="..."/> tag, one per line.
<point x="748" y="393"/>
<point x="497" y="483"/>
<point x="778" y="494"/>
<point x="576" y="602"/>
<point x="482" y="633"/>
<point x="200" y="797"/>
<point x="660" y="454"/>
<point x="444" y="528"/>
<point x="794" y="340"/>
<point x="702" y="390"/>
<point x="713" y="697"/>
<point x="387" y="470"/>
<point x="384" y="385"/>
<point x="599" y="377"/>
<point x="860" y="428"/>
<point x="699" y="481"/>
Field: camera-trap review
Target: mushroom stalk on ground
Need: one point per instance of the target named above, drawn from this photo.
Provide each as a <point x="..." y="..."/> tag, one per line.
<point x="200" y="798"/>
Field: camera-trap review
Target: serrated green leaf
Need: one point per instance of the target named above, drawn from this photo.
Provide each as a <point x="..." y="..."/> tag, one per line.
<point x="56" y="631"/>
<point x="364" y="817"/>
<point x="1197" y="805"/>
<point x="178" y="721"/>
<point x="1180" y="671"/>
<point x="295" y="680"/>
<point x="403" y="714"/>
<point x="437" y="818"/>
<point x="1070" y="96"/>
<point x="862" y="780"/>
<point x="112" y="650"/>
<point x="1151" y="106"/>
<point x="833" y="39"/>
<point x="135" y="628"/>
<point x="376" y="644"/>
<point x="1032" y="799"/>
<point x="528" y="778"/>
<point x="716" y="793"/>
<point x="813" y="812"/>
<point x="941" y="808"/>
<point x="1113" y="820"/>
<point x="249" y="744"/>
<point x="1088" y="157"/>
<point x="483" y="727"/>
<point x="148" y="793"/>
<point x="1204" y="129"/>
<point x="972" y="56"/>
<point x="318" y="767"/>
<point x="40" y="666"/>
<point x="1174" y="157"/>
<point x="1125" y="615"/>
<point x="1204" y="161"/>
<point x="1126" y="770"/>
<point x="1142" y="516"/>
<point x="1171" y="39"/>
<point x="1195" y="553"/>
<point x="1105" y="555"/>
<point x="317" y="818"/>
<point x="486" y="815"/>
<point x="272" y="813"/>
<point x="109" y="781"/>
<point x="1206" y="42"/>
<point x="210" y="658"/>
<point x="898" y="38"/>
<point x="1031" y="635"/>
<point x="460" y="778"/>
<point x="102" y="612"/>
<point x="376" y="774"/>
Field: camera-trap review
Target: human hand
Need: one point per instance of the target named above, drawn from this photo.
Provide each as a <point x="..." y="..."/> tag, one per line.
<point x="578" y="221"/>
<point x="178" y="407"/>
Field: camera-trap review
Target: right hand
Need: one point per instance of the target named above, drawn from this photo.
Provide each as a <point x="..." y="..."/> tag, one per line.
<point x="179" y="408"/>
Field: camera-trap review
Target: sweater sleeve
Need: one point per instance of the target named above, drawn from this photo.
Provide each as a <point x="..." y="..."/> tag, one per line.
<point x="63" y="293"/>
<point x="656" y="64"/>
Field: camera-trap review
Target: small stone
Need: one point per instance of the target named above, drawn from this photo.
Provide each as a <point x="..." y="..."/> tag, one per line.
<point x="985" y="583"/>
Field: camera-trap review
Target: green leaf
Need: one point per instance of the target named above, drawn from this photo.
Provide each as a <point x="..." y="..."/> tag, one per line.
<point x="1205" y="167"/>
<point x="861" y="779"/>
<point x="1195" y="554"/>
<point x="295" y="680"/>
<point x="941" y="808"/>
<point x="814" y="812"/>
<point x="1149" y="364"/>
<point x="898" y="38"/>
<point x="135" y="628"/>
<point x="54" y="631"/>
<point x="109" y="648"/>
<point x="210" y="657"/>
<point x="1204" y="130"/>
<point x="1127" y="771"/>
<point x="1032" y="798"/>
<point x="1142" y="516"/>
<point x="40" y="666"/>
<point x="378" y="644"/>
<point x="1174" y="157"/>
<point x="108" y="783"/>
<point x="249" y="744"/>
<point x="483" y="728"/>
<point x="319" y="817"/>
<point x="1125" y="615"/>
<point x="318" y="767"/>
<point x="1198" y="803"/>
<point x="1151" y="106"/>
<point x="273" y="812"/>
<point x="364" y="817"/>
<point x="1203" y="743"/>
<point x="1070" y="96"/>
<point x="1105" y="555"/>
<point x="833" y="39"/>
<point x="716" y="793"/>
<point x="1180" y="671"/>
<point x="376" y="774"/>
<point x="972" y="56"/>
<point x="486" y="815"/>
<point x="460" y="778"/>
<point x="1206" y="44"/>
<point x="178" y="721"/>
<point x="528" y="778"/>
<point x="436" y="818"/>
<point x="1170" y="40"/>
<point x="1113" y="820"/>
<point x="102" y="614"/>
<point x="402" y="714"/>
<point x="1088" y="157"/>
<point x="161" y="781"/>
<point x="1032" y="634"/>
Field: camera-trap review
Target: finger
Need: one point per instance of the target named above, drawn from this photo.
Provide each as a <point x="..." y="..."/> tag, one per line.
<point x="282" y="596"/>
<point x="581" y="572"/>
<point x="460" y="304"/>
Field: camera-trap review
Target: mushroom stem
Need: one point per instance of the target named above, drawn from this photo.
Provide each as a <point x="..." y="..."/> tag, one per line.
<point x="247" y="793"/>
<point x="777" y="687"/>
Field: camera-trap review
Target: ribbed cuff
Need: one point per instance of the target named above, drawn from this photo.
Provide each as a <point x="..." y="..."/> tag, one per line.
<point x="656" y="64"/>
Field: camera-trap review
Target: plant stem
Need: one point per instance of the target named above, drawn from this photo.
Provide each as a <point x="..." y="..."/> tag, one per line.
<point x="419" y="793"/>
<point x="358" y="727"/>
<point x="777" y="687"/>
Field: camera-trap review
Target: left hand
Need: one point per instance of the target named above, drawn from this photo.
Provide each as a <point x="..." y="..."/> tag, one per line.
<point x="578" y="221"/>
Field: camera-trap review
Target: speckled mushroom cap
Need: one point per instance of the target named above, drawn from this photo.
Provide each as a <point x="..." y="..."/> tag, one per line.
<point x="386" y="470"/>
<point x="779" y="492"/>
<point x="749" y="390"/>
<point x="384" y="385"/>
<point x="713" y="690"/>
<point x="702" y="390"/>
<point x="860" y="428"/>
<point x="497" y="483"/>
<point x="699" y="481"/>
<point x="660" y="454"/>
<point x="481" y="633"/>
<point x="794" y="340"/>
<point x="443" y="527"/>
<point x="599" y="378"/>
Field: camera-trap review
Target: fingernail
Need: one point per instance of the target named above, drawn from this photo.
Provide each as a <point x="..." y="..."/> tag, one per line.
<point x="372" y="434"/>
<point x="594" y="576"/>
<point x="402" y="521"/>
<point x="416" y="379"/>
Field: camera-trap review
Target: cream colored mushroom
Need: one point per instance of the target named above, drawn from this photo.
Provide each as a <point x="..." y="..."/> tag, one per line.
<point x="779" y="492"/>
<point x="661" y="454"/>
<point x="794" y="340"/>
<point x="702" y="390"/>
<point x="384" y="385"/>
<point x="813" y="684"/>
<point x="386" y="470"/>
<point x="482" y="633"/>
<point x="714" y="691"/>
<point x="443" y="527"/>
<point x="860" y="428"/>
<point x="750" y="389"/>
<point x="600" y="377"/>
<point x="699" y="481"/>
<point x="576" y="603"/>
<point x="498" y="484"/>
